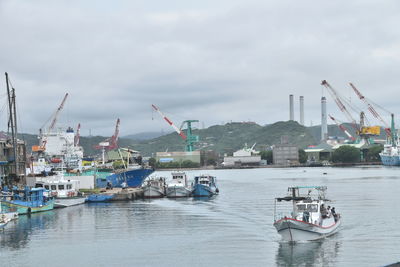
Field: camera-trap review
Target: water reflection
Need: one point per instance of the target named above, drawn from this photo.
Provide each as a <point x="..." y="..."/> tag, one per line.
<point x="318" y="253"/>
<point x="17" y="233"/>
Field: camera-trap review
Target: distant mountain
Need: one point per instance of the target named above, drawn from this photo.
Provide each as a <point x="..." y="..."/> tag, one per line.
<point x="145" y="135"/>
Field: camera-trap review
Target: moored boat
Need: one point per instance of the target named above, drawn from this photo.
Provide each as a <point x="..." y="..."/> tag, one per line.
<point x="178" y="186"/>
<point x="310" y="219"/>
<point x="205" y="186"/>
<point x="26" y="201"/>
<point x="65" y="192"/>
<point x="154" y="187"/>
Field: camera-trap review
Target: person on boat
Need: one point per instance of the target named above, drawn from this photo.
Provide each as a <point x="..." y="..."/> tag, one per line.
<point x="334" y="213"/>
<point x="109" y="185"/>
<point x="306" y="216"/>
<point x="323" y="211"/>
<point x="328" y="212"/>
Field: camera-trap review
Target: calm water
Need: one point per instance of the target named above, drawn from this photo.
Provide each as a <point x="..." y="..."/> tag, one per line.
<point x="232" y="229"/>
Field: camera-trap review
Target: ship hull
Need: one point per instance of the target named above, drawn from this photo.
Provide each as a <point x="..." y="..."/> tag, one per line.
<point x="25" y="208"/>
<point x="390" y="160"/>
<point x="153" y="192"/>
<point x="293" y="230"/>
<point x="133" y="178"/>
<point x="178" y="191"/>
<point x="68" y="201"/>
<point x="204" y="191"/>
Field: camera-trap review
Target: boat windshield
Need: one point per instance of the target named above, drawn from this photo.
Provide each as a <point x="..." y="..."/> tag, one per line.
<point x="301" y="207"/>
<point x="308" y="207"/>
<point x="312" y="207"/>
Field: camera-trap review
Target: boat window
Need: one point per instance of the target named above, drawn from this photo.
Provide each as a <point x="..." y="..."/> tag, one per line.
<point x="69" y="186"/>
<point x="60" y="187"/>
<point x="53" y="187"/>
<point x="312" y="207"/>
<point x="301" y="207"/>
<point x="47" y="187"/>
<point x="38" y="185"/>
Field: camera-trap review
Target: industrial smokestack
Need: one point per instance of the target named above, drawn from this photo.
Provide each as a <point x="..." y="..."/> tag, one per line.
<point x="324" y="125"/>
<point x="291" y="107"/>
<point x="302" y="110"/>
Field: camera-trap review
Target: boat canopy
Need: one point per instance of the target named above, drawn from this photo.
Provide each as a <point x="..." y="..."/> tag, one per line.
<point x="290" y="198"/>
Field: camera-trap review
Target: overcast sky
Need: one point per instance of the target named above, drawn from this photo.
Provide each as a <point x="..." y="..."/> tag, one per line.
<point x="212" y="60"/>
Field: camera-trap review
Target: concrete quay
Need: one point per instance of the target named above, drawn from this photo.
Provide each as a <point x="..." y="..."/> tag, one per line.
<point x="124" y="194"/>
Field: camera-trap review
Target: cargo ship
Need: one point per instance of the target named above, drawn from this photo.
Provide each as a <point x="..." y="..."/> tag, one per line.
<point x="390" y="156"/>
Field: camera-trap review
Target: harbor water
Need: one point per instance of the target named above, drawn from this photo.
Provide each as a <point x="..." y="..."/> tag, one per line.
<point x="231" y="229"/>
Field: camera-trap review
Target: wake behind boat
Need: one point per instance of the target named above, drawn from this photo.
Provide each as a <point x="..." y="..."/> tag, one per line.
<point x="310" y="218"/>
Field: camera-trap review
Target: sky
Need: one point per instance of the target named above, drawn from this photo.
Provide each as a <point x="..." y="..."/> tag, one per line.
<point x="212" y="60"/>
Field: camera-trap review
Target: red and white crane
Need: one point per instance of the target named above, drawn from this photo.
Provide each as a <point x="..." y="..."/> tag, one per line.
<point x="77" y="135"/>
<point x="43" y="141"/>
<point x="339" y="102"/>
<point x="179" y="131"/>
<point x="342" y="128"/>
<point x="112" y="142"/>
<point x="371" y="109"/>
<point x="55" y="117"/>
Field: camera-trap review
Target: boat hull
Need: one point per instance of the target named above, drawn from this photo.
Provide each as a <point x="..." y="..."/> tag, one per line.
<point x="21" y="208"/>
<point x="99" y="198"/>
<point x="133" y="178"/>
<point x="390" y="160"/>
<point x="178" y="191"/>
<point x="201" y="190"/>
<point x="295" y="230"/>
<point x="153" y="192"/>
<point x="68" y="201"/>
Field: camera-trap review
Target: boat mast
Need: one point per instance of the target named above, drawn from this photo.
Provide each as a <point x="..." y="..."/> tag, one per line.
<point x="12" y="122"/>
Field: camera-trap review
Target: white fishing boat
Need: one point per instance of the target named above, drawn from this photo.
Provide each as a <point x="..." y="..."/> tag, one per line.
<point x="154" y="187"/>
<point x="178" y="186"/>
<point x="66" y="192"/>
<point x="310" y="218"/>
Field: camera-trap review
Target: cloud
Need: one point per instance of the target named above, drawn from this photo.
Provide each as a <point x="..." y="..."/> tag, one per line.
<point x="215" y="61"/>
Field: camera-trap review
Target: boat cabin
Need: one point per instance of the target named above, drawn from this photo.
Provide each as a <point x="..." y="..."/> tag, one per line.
<point x="205" y="180"/>
<point x="178" y="178"/>
<point x="60" y="188"/>
<point x="308" y="206"/>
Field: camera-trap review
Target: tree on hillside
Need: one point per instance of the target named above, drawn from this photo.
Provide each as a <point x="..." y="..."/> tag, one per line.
<point x="346" y="154"/>
<point x="302" y="156"/>
<point x="373" y="153"/>
<point x="267" y="155"/>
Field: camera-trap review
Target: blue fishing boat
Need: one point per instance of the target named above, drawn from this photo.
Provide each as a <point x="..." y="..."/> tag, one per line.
<point x="99" y="198"/>
<point x="205" y="186"/>
<point x="132" y="178"/>
<point x="26" y="201"/>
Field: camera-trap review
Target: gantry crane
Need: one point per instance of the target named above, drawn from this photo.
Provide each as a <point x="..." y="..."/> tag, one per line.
<point x="188" y="137"/>
<point x="371" y="109"/>
<point x="338" y="100"/>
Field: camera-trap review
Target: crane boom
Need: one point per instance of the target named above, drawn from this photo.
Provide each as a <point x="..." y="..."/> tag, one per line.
<point x="78" y="135"/>
<point x="179" y="131"/>
<point x="369" y="106"/>
<point x="342" y="128"/>
<point x="53" y="123"/>
<point x="340" y="104"/>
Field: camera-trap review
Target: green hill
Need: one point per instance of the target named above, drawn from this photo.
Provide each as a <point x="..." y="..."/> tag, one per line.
<point x="232" y="136"/>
